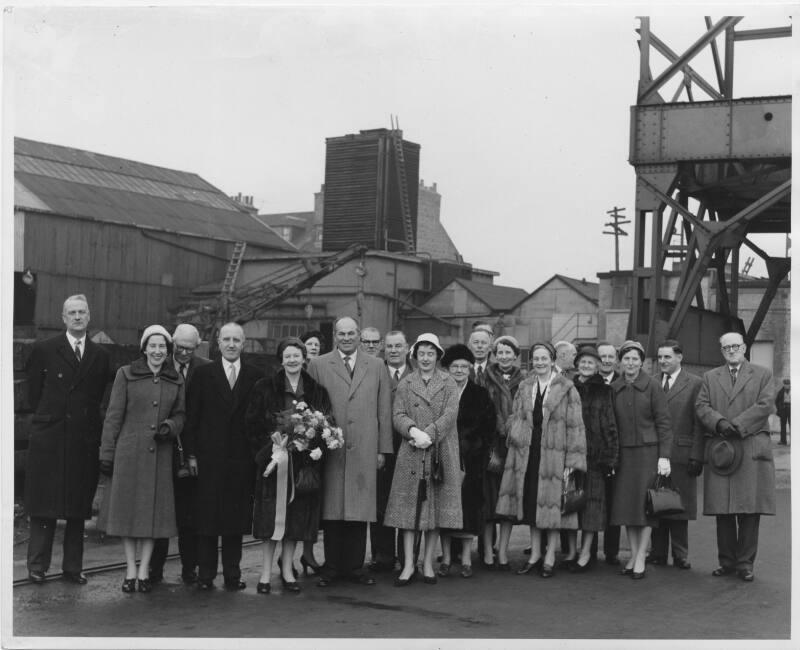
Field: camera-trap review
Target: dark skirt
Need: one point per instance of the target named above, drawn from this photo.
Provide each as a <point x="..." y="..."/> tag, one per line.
<point x="530" y="490"/>
<point x="472" y="495"/>
<point x="302" y="513"/>
<point x="491" y="492"/>
<point x="637" y="468"/>
<point x="593" y="517"/>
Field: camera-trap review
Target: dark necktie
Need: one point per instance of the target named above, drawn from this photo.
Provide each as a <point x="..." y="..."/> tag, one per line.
<point x="666" y="383"/>
<point x="479" y="376"/>
<point x="78" y="351"/>
<point x="397" y="375"/>
<point x="348" y="365"/>
<point x="734" y="370"/>
<point x="182" y="370"/>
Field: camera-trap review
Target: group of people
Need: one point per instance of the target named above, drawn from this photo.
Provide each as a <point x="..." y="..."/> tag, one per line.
<point x="426" y="448"/>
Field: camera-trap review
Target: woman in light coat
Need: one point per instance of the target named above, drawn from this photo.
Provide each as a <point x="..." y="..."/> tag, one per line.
<point x="145" y="413"/>
<point x="425" y="412"/>
<point x="546" y="441"/>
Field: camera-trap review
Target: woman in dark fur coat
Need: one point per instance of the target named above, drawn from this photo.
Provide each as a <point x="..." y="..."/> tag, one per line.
<point x="602" y="451"/>
<point x="280" y="512"/>
<point x="476" y="426"/>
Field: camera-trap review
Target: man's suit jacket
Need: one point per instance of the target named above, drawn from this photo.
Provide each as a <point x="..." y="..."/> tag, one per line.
<point x="63" y="450"/>
<point x="747" y="405"/>
<point x="215" y="435"/>
<point x="362" y="407"/>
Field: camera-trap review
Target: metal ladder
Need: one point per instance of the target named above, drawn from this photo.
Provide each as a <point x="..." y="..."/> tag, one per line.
<point x="233" y="268"/>
<point x="402" y="182"/>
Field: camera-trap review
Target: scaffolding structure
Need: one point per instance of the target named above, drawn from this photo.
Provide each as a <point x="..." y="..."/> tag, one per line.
<point x="710" y="172"/>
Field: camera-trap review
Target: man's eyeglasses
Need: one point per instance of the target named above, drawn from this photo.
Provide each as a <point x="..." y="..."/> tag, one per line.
<point x="184" y="350"/>
<point x="370" y="341"/>
<point x="732" y="348"/>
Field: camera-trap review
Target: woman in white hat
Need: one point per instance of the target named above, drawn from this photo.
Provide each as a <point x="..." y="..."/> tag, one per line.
<point x="145" y="413"/>
<point x="425" y="411"/>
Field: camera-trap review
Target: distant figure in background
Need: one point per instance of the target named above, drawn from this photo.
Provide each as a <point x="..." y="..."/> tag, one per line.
<point x="734" y="405"/>
<point x="383" y="547"/>
<point x="313" y="340"/>
<point x="220" y="455"/>
<point x="145" y="413"/>
<point x="686" y="456"/>
<point x="371" y="341"/>
<point x="185" y="340"/>
<point x="783" y="404"/>
<point x="565" y="358"/>
<point x="67" y="378"/>
<point x="608" y="371"/>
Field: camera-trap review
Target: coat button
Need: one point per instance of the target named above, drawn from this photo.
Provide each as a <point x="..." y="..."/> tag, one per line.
<point x="152" y="427"/>
<point x="155" y="380"/>
<point x="155" y="403"/>
<point x="151" y="449"/>
<point x="60" y="375"/>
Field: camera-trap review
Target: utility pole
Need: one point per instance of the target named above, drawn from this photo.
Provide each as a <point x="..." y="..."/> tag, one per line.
<point x="616" y="220"/>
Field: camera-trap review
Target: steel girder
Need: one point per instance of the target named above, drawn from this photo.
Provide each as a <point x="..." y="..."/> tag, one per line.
<point x="731" y="156"/>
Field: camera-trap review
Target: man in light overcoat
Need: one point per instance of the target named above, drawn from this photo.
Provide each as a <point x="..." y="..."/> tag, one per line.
<point x="686" y="456"/>
<point x="734" y="405"/>
<point x="361" y="396"/>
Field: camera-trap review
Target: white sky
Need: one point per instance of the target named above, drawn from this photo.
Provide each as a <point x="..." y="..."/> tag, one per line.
<point x="522" y="112"/>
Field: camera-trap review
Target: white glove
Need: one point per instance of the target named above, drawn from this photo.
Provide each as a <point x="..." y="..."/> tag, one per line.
<point x="664" y="468"/>
<point x="419" y="438"/>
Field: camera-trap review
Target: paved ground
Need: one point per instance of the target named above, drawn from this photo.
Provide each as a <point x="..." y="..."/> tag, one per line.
<point x="668" y="604"/>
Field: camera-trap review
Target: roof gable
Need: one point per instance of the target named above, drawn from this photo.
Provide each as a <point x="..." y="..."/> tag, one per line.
<point x="588" y="290"/>
<point x="497" y="297"/>
<point x="76" y="183"/>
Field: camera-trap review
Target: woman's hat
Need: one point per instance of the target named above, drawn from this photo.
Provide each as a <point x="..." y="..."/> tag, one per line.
<point x="508" y="340"/>
<point x="547" y="346"/>
<point x="150" y="331"/>
<point x="586" y="351"/>
<point x="631" y="345"/>
<point x="456" y="352"/>
<point x="725" y="455"/>
<point x="429" y="338"/>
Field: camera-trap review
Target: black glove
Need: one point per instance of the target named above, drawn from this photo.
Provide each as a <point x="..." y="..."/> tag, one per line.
<point x="107" y="467"/>
<point x="163" y="433"/>
<point x="694" y="468"/>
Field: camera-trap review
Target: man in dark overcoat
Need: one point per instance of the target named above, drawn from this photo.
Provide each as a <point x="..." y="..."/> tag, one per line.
<point x="67" y="379"/>
<point x="220" y="455"/>
<point x="185" y="341"/>
<point x="384" y="549"/>
<point x="361" y="398"/>
<point x="608" y="371"/>
<point x="686" y="457"/>
<point x="734" y="405"/>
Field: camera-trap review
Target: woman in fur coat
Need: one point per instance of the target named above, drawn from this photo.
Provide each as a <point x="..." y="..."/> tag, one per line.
<point x="602" y="451"/>
<point x="546" y="441"/>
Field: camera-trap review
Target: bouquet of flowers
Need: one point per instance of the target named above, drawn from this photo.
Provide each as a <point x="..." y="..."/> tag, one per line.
<point x="304" y="430"/>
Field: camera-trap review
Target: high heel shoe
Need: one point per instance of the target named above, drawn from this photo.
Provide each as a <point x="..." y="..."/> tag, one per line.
<point x="529" y="567"/>
<point x="404" y="582"/>
<point x="129" y="585"/>
<point x="262" y="588"/>
<point x="315" y="568"/>
<point x="291" y="587"/>
<point x="144" y="586"/>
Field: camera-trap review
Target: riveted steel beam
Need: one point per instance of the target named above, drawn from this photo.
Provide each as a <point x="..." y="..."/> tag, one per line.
<point x="672" y="56"/>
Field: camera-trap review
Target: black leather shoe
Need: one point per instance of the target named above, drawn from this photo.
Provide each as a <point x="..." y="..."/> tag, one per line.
<point x="547" y="571"/>
<point x="576" y="567"/>
<point x="429" y="580"/>
<point x="262" y="588"/>
<point x="444" y="570"/>
<point x="626" y="572"/>
<point x="638" y="575"/>
<point x="746" y="574"/>
<point x="381" y="567"/>
<point x="205" y="585"/>
<point x="362" y="579"/>
<point x="325" y="581"/>
<point x="723" y="571"/>
<point x="235" y="585"/>
<point x="655" y="560"/>
<point x="290" y="587"/>
<point x="189" y="577"/>
<point x="681" y="563"/>
<point x="75" y="578"/>
<point x="36" y="577"/>
<point x="529" y="567"/>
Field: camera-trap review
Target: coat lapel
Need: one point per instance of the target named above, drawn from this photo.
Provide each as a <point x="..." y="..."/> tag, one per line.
<point x="680" y="384"/>
<point x="67" y="352"/>
<point x="223" y="387"/>
<point x="89" y="356"/>
<point x="359" y="372"/>
<point x="336" y="364"/>
<point x="724" y="380"/>
<point x="742" y="377"/>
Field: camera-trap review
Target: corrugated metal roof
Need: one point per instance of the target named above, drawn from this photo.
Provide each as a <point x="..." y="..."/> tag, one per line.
<point x="496" y="296"/>
<point x="590" y="290"/>
<point x="77" y="183"/>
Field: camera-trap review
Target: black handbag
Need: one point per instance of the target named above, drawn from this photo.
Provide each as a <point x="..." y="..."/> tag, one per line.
<point x="308" y="480"/>
<point x="573" y="496"/>
<point x="181" y="464"/>
<point x="663" y="499"/>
